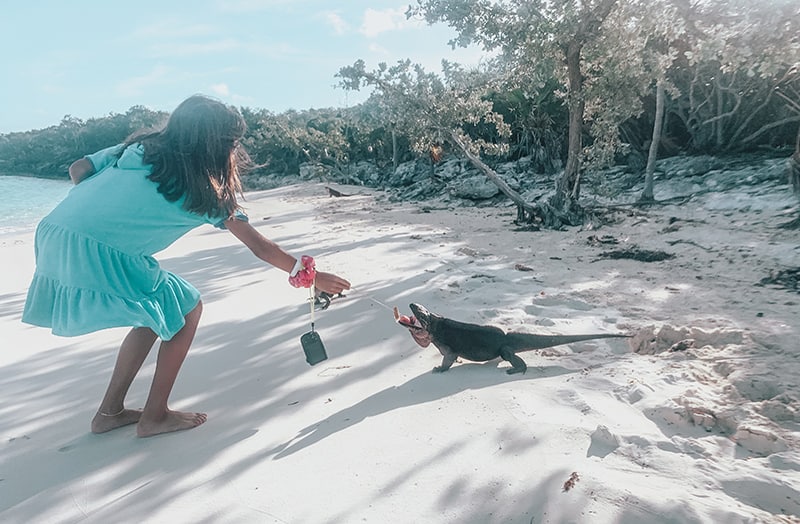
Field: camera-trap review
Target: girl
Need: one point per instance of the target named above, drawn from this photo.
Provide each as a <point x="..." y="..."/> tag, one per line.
<point x="94" y="263"/>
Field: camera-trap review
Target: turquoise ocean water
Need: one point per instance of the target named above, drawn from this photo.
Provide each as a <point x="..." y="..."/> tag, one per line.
<point x="26" y="200"/>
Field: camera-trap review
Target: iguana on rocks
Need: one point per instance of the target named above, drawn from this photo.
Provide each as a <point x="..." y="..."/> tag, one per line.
<point x="479" y="343"/>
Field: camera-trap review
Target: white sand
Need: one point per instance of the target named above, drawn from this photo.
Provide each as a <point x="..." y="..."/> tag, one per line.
<point x="708" y="434"/>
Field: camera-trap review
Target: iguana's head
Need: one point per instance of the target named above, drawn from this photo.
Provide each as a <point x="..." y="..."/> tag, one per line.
<point x="421" y="334"/>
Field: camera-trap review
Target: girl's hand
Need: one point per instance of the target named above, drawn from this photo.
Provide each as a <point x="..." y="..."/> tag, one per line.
<point x="330" y="283"/>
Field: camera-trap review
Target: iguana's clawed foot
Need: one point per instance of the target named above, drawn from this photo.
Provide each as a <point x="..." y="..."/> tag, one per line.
<point x="513" y="371"/>
<point x="439" y="369"/>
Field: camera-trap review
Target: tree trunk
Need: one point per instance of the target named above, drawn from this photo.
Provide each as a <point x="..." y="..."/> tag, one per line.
<point x="794" y="179"/>
<point x="568" y="185"/>
<point x="491" y="174"/>
<point x="395" y="159"/>
<point x="542" y="213"/>
<point x="562" y="208"/>
<point x="794" y="167"/>
<point x="647" y="194"/>
<point x="719" y="124"/>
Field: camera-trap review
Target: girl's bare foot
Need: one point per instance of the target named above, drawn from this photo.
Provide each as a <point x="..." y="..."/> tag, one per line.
<point x="171" y="421"/>
<point x="103" y="422"/>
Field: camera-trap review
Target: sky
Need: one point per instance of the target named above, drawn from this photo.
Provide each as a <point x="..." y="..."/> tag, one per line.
<point x="92" y="58"/>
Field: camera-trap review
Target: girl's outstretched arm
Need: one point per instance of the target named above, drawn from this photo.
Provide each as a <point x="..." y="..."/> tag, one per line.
<point x="273" y="254"/>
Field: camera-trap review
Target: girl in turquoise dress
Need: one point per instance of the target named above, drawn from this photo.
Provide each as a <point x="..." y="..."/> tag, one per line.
<point x="94" y="252"/>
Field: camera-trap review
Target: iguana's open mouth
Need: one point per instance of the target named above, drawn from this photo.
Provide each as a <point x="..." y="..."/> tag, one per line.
<point x="406" y="321"/>
<point x="418" y="332"/>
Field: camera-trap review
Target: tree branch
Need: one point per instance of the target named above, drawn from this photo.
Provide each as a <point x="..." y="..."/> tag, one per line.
<point x="784" y="121"/>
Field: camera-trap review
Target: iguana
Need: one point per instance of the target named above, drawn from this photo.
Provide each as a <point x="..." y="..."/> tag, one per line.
<point x="479" y="343"/>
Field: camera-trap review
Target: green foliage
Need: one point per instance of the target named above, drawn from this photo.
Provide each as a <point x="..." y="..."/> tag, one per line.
<point x="48" y="152"/>
<point x="427" y="108"/>
<point x="536" y="123"/>
<point x="280" y="143"/>
<point x="738" y="73"/>
<point x="730" y="69"/>
<point x="373" y="122"/>
<point x="537" y="41"/>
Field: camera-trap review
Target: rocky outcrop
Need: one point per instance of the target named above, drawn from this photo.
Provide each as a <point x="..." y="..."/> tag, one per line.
<point x="456" y="180"/>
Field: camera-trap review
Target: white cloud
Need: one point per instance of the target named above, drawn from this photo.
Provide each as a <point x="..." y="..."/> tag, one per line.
<point x="52" y="89"/>
<point x="277" y="51"/>
<point x="376" y="22"/>
<point x="172" y="29"/>
<point x="194" y="48"/>
<point x="136" y="85"/>
<point x="378" y="50"/>
<point x="220" y="89"/>
<point x="241" y="100"/>
<point x="245" y="6"/>
<point x="333" y="19"/>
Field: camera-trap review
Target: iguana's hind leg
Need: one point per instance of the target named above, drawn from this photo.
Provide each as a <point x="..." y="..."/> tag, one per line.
<point x="517" y="364"/>
<point x="447" y="361"/>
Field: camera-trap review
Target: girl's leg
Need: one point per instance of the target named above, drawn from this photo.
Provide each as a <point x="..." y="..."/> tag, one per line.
<point x="112" y="413"/>
<point x="157" y="417"/>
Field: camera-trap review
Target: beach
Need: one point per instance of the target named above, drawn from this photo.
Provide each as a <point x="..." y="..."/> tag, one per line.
<point x="695" y="418"/>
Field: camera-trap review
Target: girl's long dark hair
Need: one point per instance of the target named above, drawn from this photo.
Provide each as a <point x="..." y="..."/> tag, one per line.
<point x="197" y="155"/>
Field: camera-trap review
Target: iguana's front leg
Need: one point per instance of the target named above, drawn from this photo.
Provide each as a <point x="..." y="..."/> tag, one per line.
<point x="448" y="358"/>
<point x="517" y="364"/>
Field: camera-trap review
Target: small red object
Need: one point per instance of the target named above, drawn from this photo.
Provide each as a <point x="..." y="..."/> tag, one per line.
<point x="405" y="320"/>
<point x="409" y="322"/>
<point x="305" y="277"/>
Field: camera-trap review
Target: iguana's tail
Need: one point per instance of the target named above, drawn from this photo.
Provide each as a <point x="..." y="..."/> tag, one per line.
<point x="531" y="342"/>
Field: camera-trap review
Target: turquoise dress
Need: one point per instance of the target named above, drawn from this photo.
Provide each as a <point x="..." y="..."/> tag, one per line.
<point x="94" y="253"/>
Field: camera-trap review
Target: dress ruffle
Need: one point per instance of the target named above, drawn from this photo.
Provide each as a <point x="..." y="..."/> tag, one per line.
<point x="82" y="285"/>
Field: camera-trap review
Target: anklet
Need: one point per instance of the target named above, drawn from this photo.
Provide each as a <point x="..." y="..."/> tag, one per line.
<point x="111" y="414"/>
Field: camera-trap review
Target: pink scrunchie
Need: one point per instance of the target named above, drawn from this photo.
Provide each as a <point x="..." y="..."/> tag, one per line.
<point x="305" y="277"/>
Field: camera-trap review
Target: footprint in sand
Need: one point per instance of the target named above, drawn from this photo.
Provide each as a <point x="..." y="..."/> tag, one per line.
<point x="573" y="399"/>
<point x="776" y="497"/>
<point x="561" y="302"/>
<point x="631" y="393"/>
<point x="75" y="443"/>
